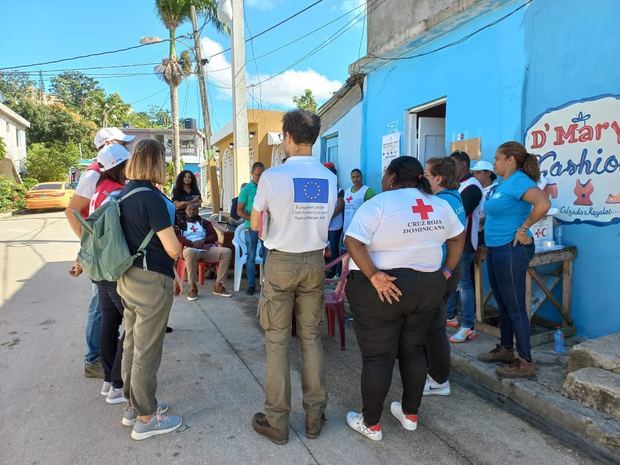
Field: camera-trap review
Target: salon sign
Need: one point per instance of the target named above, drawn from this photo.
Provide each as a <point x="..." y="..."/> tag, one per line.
<point x="578" y="146"/>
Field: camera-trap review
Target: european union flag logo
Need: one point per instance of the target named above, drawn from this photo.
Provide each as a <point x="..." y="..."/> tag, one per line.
<point x="311" y="190"/>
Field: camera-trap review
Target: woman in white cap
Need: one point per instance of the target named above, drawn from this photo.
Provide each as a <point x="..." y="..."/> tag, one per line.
<point x="81" y="202"/>
<point x="111" y="160"/>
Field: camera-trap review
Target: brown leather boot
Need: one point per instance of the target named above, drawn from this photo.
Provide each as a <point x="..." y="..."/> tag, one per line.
<point x="314" y="427"/>
<point x="499" y="354"/>
<point x="261" y="426"/>
<point x="518" y="369"/>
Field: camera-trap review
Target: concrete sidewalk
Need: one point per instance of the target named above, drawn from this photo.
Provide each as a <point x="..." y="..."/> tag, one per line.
<point x="212" y="373"/>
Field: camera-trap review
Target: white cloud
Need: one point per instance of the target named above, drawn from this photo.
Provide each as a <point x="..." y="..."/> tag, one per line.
<point x="263" y="4"/>
<point x="277" y="91"/>
<point x="281" y="89"/>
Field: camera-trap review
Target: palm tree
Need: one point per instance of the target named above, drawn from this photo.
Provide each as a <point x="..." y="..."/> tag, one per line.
<point x="173" y="70"/>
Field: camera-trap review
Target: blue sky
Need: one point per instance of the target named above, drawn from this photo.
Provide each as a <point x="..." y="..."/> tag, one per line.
<point x="37" y="31"/>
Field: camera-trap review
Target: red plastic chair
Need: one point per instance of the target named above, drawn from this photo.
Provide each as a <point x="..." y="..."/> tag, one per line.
<point x="202" y="269"/>
<point x="334" y="301"/>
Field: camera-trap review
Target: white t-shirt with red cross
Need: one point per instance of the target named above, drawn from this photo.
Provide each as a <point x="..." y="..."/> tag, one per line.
<point x="404" y="228"/>
<point x="194" y="232"/>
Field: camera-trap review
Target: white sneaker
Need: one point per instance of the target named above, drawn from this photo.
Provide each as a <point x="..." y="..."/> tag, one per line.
<point x="433" y="388"/>
<point x="105" y="388"/>
<point x="409" y="422"/>
<point x="115" y="396"/>
<point x="356" y="422"/>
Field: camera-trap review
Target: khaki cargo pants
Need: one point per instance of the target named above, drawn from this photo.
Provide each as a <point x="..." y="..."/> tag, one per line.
<point x="293" y="284"/>
<point x="147" y="298"/>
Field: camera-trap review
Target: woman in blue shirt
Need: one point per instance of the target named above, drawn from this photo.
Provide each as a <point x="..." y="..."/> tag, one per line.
<point x="515" y="205"/>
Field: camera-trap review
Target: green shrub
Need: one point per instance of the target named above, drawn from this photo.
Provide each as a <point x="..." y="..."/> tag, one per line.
<point x="12" y="195"/>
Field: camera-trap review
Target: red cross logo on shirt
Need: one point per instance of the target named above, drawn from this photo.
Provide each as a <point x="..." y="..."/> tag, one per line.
<point x="349" y="198"/>
<point x="422" y="209"/>
<point x="193" y="229"/>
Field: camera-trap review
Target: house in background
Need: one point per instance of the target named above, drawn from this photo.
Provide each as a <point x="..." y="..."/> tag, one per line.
<point x="13" y="132"/>
<point x="264" y="128"/>
<point x="192" y="145"/>
<point x="340" y="139"/>
<point x="483" y="72"/>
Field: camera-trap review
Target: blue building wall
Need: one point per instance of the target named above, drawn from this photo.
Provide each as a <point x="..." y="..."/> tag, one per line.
<point x="496" y="83"/>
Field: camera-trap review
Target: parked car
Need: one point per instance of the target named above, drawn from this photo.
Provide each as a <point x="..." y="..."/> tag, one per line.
<point x="47" y="195"/>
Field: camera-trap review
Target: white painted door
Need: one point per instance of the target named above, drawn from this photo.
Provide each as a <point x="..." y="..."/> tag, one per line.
<point x="228" y="180"/>
<point x="431" y="138"/>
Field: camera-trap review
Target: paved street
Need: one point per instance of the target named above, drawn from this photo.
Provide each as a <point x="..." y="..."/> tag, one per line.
<point x="211" y="374"/>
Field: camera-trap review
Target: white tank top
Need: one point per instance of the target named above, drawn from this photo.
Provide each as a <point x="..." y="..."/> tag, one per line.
<point x="474" y="218"/>
<point x="352" y="201"/>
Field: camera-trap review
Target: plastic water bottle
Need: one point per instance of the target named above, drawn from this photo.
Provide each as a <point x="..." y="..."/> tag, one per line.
<point x="558" y="341"/>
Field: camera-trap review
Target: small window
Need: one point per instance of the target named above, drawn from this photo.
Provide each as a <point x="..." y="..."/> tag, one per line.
<point x="17" y="133"/>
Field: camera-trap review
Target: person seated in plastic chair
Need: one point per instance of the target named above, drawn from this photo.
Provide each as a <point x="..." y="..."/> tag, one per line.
<point x="199" y="241"/>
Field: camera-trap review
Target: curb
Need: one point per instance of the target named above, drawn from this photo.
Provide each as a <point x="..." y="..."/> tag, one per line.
<point x="546" y="407"/>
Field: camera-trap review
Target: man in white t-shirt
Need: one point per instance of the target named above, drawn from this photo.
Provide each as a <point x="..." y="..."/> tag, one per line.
<point x="81" y="202"/>
<point x="300" y="197"/>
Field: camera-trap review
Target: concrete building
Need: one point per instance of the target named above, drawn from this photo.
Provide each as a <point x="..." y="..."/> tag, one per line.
<point x="481" y="72"/>
<point x="264" y="127"/>
<point x="340" y="140"/>
<point x="13" y="132"/>
<point x="192" y="145"/>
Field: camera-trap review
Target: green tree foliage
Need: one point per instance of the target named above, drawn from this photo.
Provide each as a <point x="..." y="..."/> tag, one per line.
<point x="52" y="161"/>
<point x="12" y="195"/>
<point x="306" y="101"/>
<point x="74" y="88"/>
<point x="160" y="117"/>
<point x="14" y="87"/>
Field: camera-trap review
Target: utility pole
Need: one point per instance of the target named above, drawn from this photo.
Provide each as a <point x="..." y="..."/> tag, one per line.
<point x="239" y="95"/>
<point x="212" y="180"/>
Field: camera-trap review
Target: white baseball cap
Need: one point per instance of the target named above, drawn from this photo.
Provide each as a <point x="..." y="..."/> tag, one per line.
<point x="482" y="165"/>
<point x="107" y="134"/>
<point x="112" y="155"/>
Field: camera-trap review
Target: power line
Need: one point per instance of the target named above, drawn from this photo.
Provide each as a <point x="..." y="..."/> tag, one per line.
<point x="146" y="98"/>
<point x="88" y="55"/>
<point x="456" y="42"/>
<point x="130" y="65"/>
<point x="271" y="28"/>
<point x="325" y="43"/>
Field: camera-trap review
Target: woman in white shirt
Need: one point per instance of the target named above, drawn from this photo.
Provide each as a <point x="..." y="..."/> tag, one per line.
<point x="396" y="286"/>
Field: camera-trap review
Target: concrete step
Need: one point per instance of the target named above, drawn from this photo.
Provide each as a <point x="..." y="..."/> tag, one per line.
<point x="596" y="388"/>
<point x="603" y="352"/>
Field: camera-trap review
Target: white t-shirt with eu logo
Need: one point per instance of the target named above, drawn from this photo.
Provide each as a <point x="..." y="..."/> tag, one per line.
<point x="300" y="196"/>
<point x="405" y="228"/>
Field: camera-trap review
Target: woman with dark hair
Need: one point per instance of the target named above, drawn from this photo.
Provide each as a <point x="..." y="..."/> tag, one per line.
<point x="515" y="205"/>
<point x="441" y="174"/>
<point x="396" y="286"/>
<point x="112" y="160"/>
<point x="185" y="191"/>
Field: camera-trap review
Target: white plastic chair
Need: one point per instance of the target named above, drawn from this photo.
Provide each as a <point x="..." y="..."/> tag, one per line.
<point x="241" y="256"/>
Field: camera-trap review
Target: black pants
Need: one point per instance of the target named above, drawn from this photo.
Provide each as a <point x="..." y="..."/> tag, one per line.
<point x="112" y="317"/>
<point x="437" y="344"/>
<point x="386" y="331"/>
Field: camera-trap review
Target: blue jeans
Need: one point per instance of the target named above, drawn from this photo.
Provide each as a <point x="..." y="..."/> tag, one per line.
<point x="465" y="292"/>
<point x="507" y="266"/>
<point x="251" y="240"/>
<point x="93" y="327"/>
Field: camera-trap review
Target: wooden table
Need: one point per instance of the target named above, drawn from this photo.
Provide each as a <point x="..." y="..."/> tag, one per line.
<point x="536" y="296"/>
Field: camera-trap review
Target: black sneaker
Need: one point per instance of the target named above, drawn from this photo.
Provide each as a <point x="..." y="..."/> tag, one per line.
<point x="251" y="290"/>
